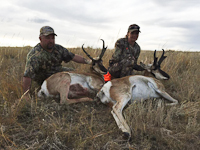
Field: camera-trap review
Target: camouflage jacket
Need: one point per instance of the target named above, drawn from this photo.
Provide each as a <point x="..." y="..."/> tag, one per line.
<point x="124" y="59"/>
<point x="40" y="64"/>
<point x="123" y="49"/>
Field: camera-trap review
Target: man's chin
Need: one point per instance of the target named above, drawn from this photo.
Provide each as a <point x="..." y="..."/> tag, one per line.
<point x="50" y="47"/>
<point x="133" y="40"/>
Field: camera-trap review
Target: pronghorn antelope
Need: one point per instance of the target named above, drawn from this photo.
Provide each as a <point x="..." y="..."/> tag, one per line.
<point x="73" y="87"/>
<point x="119" y="92"/>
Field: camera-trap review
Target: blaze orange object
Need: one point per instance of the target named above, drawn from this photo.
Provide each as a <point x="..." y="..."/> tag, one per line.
<point x="107" y="77"/>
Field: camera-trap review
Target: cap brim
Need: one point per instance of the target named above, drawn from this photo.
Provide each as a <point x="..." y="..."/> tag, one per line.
<point x="134" y="30"/>
<point x="48" y="34"/>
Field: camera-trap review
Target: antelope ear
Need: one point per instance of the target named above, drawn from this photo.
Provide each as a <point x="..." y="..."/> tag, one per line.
<point x="164" y="74"/>
<point x="143" y="65"/>
<point x="146" y="67"/>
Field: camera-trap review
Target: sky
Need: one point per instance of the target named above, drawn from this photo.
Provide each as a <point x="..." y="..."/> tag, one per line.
<point x="164" y="24"/>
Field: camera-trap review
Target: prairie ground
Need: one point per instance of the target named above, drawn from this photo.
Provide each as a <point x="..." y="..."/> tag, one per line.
<point x="45" y="124"/>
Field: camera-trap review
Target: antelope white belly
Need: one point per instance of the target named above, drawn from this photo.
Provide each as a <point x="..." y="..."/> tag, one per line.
<point x="143" y="90"/>
<point x="78" y="79"/>
<point x="44" y="90"/>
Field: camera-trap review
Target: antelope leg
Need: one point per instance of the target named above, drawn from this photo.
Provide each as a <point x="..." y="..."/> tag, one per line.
<point x="168" y="97"/>
<point x="64" y="97"/>
<point x="117" y="114"/>
<point x="84" y="99"/>
<point x="64" y="92"/>
<point x="119" y="123"/>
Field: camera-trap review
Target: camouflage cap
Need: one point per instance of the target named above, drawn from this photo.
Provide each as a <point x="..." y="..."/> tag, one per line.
<point x="133" y="27"/>
<point x="46" y="30"/>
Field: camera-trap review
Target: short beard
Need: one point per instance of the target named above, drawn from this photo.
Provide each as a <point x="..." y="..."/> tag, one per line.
<point x="49" y="47"/>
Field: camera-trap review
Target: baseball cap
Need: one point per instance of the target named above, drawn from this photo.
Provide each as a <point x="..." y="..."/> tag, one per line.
<point x="46" y="30"/>
<point x="133" y="27"/>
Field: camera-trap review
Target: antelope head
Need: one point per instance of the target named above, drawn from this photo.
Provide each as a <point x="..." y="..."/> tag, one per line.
<point x="97" y="64"/>
<point x="155" y="69"/>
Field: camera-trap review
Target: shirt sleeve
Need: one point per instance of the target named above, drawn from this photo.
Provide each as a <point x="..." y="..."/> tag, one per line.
<point x="67" y="55"/>
<point x="32" y="65"/>
<point x="137" y="53"/>
<point x="118" y="51"/>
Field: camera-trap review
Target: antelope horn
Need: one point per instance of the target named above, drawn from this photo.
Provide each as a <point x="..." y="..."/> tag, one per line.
<point x="161" y="58"/>
<point x="155" y="59"/>
<point x="103" y="50"/>
<point x="87" y="53"/>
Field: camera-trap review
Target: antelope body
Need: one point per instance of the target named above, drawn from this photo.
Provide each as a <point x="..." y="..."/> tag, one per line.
<point x="119" y="92"/>
<point x="73" y="87"/>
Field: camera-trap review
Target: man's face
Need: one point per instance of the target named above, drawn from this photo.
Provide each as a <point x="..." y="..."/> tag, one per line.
<point x="47" y="42"/>
<point x="133" y="36"/>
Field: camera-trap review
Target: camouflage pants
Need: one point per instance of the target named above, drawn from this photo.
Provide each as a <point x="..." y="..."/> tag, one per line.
<point x="67" y="69"/>
<point x="36" y="83"/>
<point x="122" y="68"/>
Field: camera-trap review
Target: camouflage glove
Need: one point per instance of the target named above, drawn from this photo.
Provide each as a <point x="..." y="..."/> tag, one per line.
<point x="145" y="67"/>
<point x="127" y="62"/>
<point x="88" y="61"/>
<point x="96" y="58"/>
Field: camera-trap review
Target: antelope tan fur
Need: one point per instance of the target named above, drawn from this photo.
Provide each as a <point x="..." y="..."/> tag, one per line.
<point x="119" y="92"/>
<point x="73" y="87"/>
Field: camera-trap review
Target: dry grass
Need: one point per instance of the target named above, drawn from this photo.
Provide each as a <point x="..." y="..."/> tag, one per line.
<point x="45" y="124"/>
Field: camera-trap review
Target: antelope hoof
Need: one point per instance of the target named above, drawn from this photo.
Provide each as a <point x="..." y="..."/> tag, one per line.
<point x="127" y="136"/>
<point x="62" y="102"/>
<point x="96" y="99"/>
<point x="172" y="104"/>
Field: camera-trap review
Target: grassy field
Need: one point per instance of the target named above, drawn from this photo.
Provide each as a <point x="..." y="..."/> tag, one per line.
<point x="45" y="124"/>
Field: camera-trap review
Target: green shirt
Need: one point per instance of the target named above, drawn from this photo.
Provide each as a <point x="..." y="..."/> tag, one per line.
<point x="40" y="64"/>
